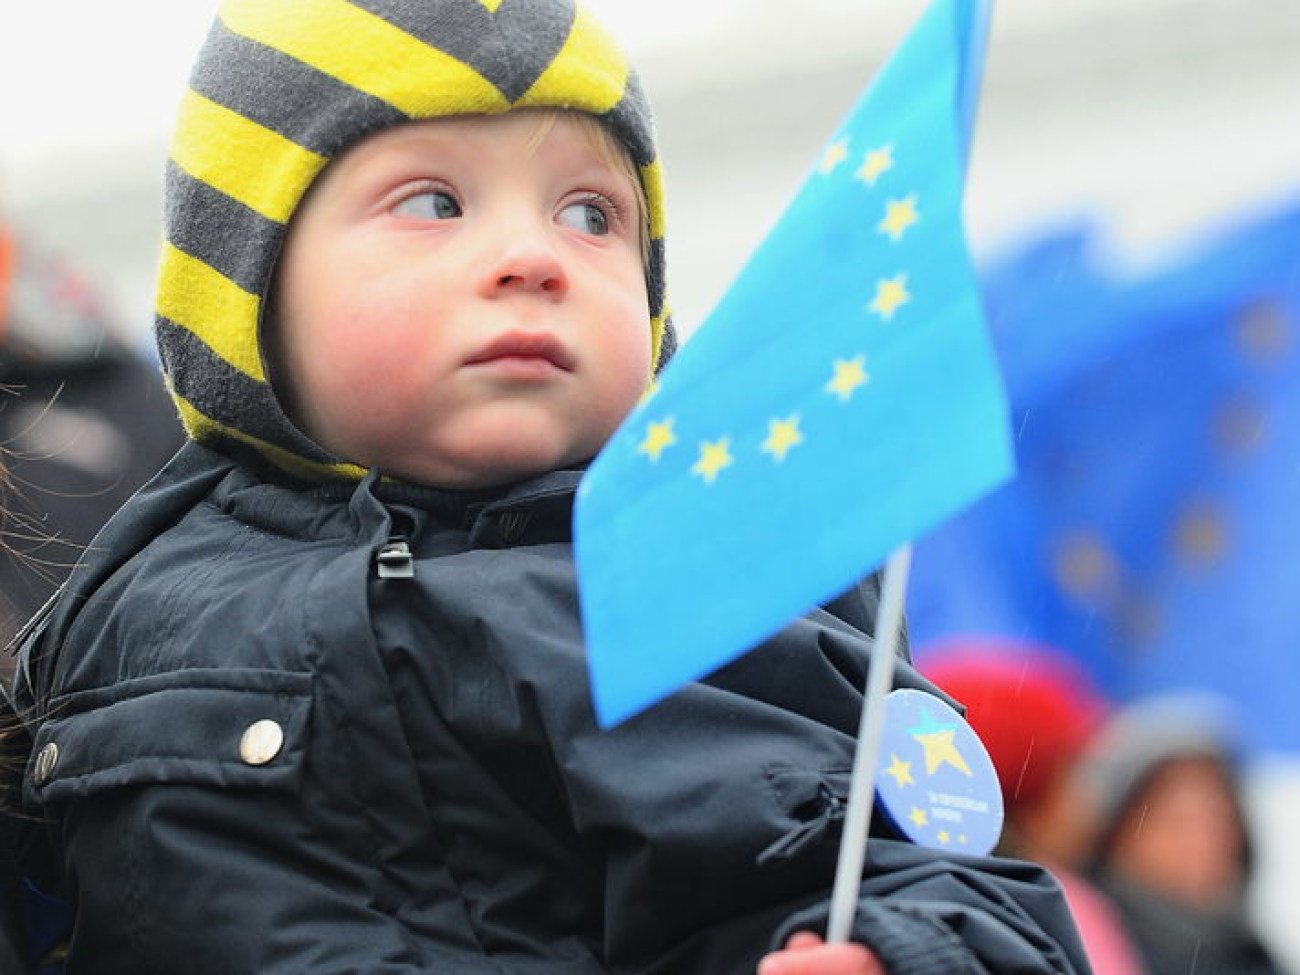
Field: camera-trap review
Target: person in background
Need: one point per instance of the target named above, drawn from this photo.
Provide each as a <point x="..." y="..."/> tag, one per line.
<point x="84" y="421"/>
<point x="1036" y="711"/>
<point x="1173" y="847"/>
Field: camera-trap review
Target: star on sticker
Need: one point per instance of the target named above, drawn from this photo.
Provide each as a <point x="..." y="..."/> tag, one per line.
<point x="891" y="294"/>
<point x="835" y="154"/>
<point x="918" y="816"/>
<point x="876" y="164"/>
<point x="901" y="771"/>
<point x="944" y="836"/>
<point x="937" y="740"/>
<point x="713" y="458"/>
<point x="782" y="435"/>
<point x="849" y="375"/>
<point x="899" y="215"/>
<point x="658" y="438"/>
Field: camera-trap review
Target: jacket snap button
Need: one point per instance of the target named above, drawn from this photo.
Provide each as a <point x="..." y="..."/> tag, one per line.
<point x="261" y="742"/>
<point x="46" y="759"/>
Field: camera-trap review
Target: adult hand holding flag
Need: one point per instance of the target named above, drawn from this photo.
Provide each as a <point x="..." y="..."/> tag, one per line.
<point x="840" y="400"/>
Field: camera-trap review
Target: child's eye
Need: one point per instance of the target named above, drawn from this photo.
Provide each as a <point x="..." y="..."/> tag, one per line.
<point x="428" y="205"/>
<point x="586" y="217"/>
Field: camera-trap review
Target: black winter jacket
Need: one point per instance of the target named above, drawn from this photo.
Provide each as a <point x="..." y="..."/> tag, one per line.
<point x="269" y="740"/>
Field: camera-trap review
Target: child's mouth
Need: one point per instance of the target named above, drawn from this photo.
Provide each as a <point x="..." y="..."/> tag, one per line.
<point x="525" y="355"/>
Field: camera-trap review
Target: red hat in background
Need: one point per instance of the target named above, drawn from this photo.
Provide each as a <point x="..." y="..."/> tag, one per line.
<point x="1034" y="708"/>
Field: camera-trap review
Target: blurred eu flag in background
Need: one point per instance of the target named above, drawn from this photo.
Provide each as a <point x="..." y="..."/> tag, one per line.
<point x="841" y="399"/>
<point x="1153" y="529"/>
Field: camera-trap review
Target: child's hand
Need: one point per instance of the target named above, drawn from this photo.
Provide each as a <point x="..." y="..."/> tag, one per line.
<point x="807" y="954"/>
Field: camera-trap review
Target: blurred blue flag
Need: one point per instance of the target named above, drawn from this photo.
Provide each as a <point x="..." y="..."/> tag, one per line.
<point x="1151" y="532"/>
<point x="840" y="400"/>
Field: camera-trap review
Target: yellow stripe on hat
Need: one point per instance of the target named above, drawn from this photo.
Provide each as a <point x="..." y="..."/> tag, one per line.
<point x="589" y="73"/>
<point x="203" y="301"/>
<point x="229" y="152"/>
<point x="366" y="52"/>
<point x="205" y="429"/>
<point x="657" y="336"/>
<point x="652" y="178"/>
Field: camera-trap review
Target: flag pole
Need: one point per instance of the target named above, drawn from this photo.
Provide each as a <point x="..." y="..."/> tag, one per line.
<point x="862" y="786"/>
<point x="889" y="619"/>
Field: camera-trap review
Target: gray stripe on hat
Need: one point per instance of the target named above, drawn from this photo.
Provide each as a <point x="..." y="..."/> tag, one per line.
<point x="285" y="95"/>
<point x="218" y="390"/>
<point x="655" y="276"/>
<point x="510" y="48"/>
<point x="221" y="232"/>
<point x="630" y="121"/>
<point x="667" y="345"/>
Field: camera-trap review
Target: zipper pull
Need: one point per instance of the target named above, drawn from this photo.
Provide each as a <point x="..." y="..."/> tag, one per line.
<point x="394" y="559"/>
<point x="831" y="811"/>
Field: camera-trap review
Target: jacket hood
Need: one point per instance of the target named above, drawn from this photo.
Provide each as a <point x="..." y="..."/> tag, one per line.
<point x="283" y="86"/>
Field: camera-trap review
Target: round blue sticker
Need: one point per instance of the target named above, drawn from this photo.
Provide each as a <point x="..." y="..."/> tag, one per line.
<point x="936" y="784"/>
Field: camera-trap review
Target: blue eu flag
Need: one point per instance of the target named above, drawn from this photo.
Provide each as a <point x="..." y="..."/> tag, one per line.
<point x="1151" y="531"/>
<point x="840" y="400"/>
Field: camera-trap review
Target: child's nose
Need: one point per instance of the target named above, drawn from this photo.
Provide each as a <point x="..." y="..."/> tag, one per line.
<point x="529" y="264"/>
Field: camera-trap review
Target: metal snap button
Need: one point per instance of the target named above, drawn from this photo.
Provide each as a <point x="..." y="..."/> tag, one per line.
<point x="261" y="742"/>
<point x="46" y="760"/>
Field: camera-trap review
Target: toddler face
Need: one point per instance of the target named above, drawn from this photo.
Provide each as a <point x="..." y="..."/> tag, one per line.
<point x="461" y="302"/>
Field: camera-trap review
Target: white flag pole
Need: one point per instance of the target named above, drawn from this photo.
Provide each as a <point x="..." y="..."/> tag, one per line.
<point x="862" y="786"/>
<point x="889" y="619"/>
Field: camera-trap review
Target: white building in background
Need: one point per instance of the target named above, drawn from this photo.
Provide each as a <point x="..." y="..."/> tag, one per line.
<point x="1160" y="119"/>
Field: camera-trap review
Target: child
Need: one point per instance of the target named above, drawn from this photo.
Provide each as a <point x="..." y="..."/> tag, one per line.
<point x="317" y="699"/>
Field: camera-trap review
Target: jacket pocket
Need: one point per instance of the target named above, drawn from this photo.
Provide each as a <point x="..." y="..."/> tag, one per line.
<point x="234" y="728"/>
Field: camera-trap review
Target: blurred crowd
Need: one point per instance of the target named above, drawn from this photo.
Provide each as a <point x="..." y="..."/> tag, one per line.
<point x="1138" y="810"/>
<point x="84" y="421"/>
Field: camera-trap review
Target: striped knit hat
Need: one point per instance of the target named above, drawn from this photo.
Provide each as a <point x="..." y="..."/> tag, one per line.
<point x="283" y="86"/>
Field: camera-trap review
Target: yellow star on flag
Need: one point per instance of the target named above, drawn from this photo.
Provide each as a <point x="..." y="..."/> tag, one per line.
<point x="891" y="294"/>
<point x="944" y="836"/>
<point x="782" y="435"/>
<point x="713" y="458"/>
<point x="899" y="215"/>
<point x="901" y="771"/>
<point x="849" y="375"/>
<point x="877" y="163"/>
<point x="918" y="816"/>
<point x="658" y="438"/>
<point x="835" y="154"/>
